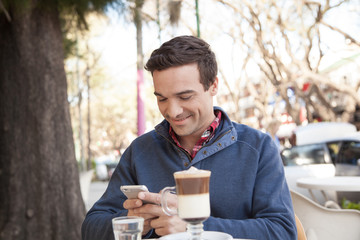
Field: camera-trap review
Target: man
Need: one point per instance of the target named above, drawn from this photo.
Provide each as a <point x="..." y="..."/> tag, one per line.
<point x="248" y="192"/>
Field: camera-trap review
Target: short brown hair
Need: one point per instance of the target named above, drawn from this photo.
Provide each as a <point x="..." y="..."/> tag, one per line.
<point x="184" y="50"/>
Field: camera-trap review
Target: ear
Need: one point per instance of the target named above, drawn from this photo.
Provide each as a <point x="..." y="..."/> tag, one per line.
<point x="214" y="87"/>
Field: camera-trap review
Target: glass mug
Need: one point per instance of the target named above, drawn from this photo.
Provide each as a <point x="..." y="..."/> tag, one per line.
<point x="193" y="200"/>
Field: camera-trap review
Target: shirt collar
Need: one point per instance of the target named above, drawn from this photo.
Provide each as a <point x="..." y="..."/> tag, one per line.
<point x="205" y="137"/>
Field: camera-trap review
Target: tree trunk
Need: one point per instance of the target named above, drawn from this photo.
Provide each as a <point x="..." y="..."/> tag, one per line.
<point x="140" y="69"/>
<point x="88" y="117"/>
<point x="40" y="194"/>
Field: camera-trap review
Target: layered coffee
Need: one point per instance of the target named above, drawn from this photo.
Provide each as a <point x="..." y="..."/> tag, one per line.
<point x="192" y="187"/>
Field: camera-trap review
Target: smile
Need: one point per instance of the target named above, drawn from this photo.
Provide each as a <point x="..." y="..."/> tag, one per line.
<point x="180" y="120"/>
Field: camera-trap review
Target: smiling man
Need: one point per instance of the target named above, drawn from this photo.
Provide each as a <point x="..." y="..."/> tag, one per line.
<point x="184" y="102"/>
<point x="248" y="193"/>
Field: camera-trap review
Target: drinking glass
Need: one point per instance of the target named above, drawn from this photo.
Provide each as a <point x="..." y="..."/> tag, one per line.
<point x="128" y="227"/>
<point x="193" y="201"/>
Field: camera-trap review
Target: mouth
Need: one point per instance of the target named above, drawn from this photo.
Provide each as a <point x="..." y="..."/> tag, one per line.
<point x="180" y="121"/>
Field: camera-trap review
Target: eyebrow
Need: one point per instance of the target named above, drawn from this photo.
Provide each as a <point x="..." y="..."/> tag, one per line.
<point x="158" y="94"/>
<point x="177" y="94"/>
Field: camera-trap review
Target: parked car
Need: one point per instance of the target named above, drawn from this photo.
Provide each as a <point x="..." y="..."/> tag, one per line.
<point x="105" y="166"/>
<point x="343" y="152"/>
<point x="322" y="150"/>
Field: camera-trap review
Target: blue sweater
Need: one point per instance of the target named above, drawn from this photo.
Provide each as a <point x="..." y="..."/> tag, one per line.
<point x="249" y="195"/>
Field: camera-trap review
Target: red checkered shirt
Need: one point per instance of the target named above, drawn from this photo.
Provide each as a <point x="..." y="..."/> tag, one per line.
<point x="207" y="135"/>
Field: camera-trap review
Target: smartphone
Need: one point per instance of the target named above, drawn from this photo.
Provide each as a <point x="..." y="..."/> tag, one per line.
<point x="131" y="191"/>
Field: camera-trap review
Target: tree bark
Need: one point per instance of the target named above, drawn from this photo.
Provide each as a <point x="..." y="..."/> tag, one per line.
<point x="40" y="194"/>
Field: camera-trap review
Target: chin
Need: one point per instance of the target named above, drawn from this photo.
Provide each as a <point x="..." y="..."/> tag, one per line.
<point x="181" y="133"/>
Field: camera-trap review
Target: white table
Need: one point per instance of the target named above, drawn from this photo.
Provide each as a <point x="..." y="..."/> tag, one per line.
<point x="337" y="183"/>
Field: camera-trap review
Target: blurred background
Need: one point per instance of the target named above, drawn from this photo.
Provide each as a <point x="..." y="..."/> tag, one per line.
<point x="282" y="64"/>
<point x="289" y="68"/>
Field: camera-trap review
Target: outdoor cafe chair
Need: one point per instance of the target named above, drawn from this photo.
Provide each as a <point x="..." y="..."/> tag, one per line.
<point x="321" y="223"/>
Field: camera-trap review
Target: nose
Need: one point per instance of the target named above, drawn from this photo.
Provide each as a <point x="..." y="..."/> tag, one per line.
<point x="174" y="109"/>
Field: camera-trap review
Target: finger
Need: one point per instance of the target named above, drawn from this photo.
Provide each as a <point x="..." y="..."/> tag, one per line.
<point x="146" y="227"/>
<point x="159" y="227"/>
<point x="154" y="198"/>
<point x="131" y="212"/>
<point x="152" y="209"/>
<point x="167" y="225"/>
<point x="146" y="216"/>
<point x="147" y="223"/>
<point x="132" y="203"/>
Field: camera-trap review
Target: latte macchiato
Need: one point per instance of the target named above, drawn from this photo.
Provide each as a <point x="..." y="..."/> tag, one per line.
<point x="192" y="188"/>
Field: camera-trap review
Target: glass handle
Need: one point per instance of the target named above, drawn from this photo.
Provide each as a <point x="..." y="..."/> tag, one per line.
<point x="164" y="204"/>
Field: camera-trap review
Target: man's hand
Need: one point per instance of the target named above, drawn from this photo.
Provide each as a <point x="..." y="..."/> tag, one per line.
<point x="131" y="205"/>
<point x="157" y="219"/>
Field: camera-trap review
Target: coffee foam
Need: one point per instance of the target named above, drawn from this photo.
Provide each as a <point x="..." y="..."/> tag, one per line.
<point x="192" y="172"/>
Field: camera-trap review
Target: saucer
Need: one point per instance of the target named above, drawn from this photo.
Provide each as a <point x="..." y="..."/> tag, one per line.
<point x="206" y="235"/>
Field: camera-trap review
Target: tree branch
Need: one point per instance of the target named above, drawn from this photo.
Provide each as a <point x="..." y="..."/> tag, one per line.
<point x="353" y="40"/>
<point x="2" y="7"/>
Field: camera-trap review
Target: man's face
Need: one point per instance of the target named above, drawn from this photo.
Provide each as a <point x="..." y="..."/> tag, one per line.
<point x="183" y="101"/>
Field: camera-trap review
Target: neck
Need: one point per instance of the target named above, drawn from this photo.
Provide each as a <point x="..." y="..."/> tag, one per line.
<point x="188" y="142"/>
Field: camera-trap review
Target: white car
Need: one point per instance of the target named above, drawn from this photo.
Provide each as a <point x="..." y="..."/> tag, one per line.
<point x="307" y="161"/>
<point x="323" y="150"/>
<point x="104" y="166"/>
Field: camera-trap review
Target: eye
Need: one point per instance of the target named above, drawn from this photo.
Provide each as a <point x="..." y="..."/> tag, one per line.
<point x="162" y="99"/>
<point x="185" y="97"/>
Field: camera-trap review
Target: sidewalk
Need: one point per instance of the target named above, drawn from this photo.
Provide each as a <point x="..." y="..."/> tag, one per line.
<point x="97" y="189"/>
